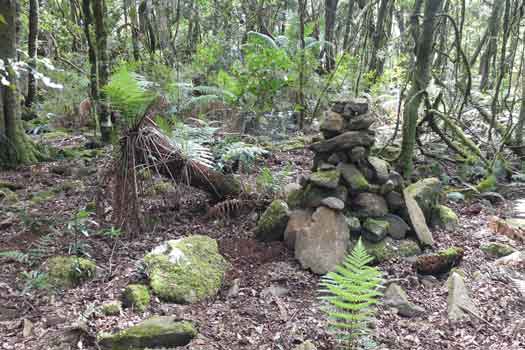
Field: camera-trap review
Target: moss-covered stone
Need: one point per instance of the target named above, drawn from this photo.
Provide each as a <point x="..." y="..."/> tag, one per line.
<point x="326" y="178"/>
<point x="440" y="262"/>
<point x="156" y="332"/>
<point x="8" y="196"/>
<point x="111" y="308"/>
<point x="295" y="198"/>
<point x="136" y="296"/>
<point x="444" y="217"/>
<point x="408" y="248"/>
<point x="375" y="230"/>
<point x="42" y="197"/>
<point x="353" y="177"/>
<point x="488" y="184"/>
<point x="186" y="270"/>
<point x="380" y="251"/>
<point x="497" y="250"/>
<point x="426" y="193"/>
<point x="160" y="187"/>
<point x="272" y="223"/>
<point x="69" y="271"/>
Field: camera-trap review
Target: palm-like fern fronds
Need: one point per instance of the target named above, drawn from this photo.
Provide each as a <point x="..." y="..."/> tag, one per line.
<point x="351" y="293"/>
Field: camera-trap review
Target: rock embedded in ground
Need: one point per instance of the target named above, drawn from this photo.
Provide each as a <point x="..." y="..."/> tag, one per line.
<point x="456" y="197"/>
<point x="136" y="296"/>
<point x="344" y="141"/>
<point x="417" y="219"/>
<point x="325" y="178"/>
<point x="458" y="299"/>
<point x="395" y="201"/>
<point x="66" y="272"/>
<point x="497" y="250"/>
<point x="397" y="228"/>
<point x="272" y="222"/>
<point x="444" y="217"/>
<point x="408" y="248"/>
<point x="353" y="177"/>
<point x="186" y="270"/>
<point x="333" y="203"/>
<point x="323" y="245"/>
<point x="397" y="298"/>
<point x="440" y="262"/>
<point x="307" y="345"/>
<point x="426" y="193"/>
<point x="154" y="333"/>
<point x="375" y="230"/>
<point x="370" y="205"/>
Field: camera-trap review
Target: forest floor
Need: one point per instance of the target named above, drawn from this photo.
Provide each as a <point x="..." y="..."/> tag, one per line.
<point x="275" y="306"/>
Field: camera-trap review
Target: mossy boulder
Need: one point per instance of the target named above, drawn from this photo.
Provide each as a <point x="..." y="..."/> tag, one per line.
<point x="488" y="184"/>
<point x="375" y="230"/>
<point x="272" y="224"/>
<point x="154" y="333"/>
<point x="111" y="308"/>
<point x="444" y="217"/>
<point x="497" y="250"/>
<point x="8" y="196"/>
<point x="325" y="178"/>
<point x="186" y="270"/>
<point x="136" y="296"/>
<point x="42" y="197"/>
<point x="353" y="177"/>
<point x="426" y="193"/>
<point x="408" y="248"/>
<point x="441" y="262"/>
<point x="311" y="196"/>
<point x="69" y="271"/>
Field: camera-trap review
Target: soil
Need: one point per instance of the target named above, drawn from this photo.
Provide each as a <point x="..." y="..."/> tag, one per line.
<point x="267" y="302"/>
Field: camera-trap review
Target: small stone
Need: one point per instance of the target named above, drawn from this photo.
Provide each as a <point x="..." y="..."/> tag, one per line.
<point x="497" y="250"/>
<point x="358" y="154"/>
<point x="136" y="296"/>
<point x="356" y="106"/>
<point x="326" y="179"/>
<point x="375" y="230"/>
<point x="361" y="122"/>
<point x="290" y="188"/>
<point x="397" y="228"/>
<point x="456" y="197"/>
<point x="440" y="262"/>
<point x="353" y="177"/>
<point x="332" y="124"/>
<point x="234" y="289"/>
<point x="429" y="281"/>
<point x="333" y="203"/>
<point x="444" y="217"/>
<point x="27" y="331"/>
<point x="396" y="297"/>
<point x="307" y="345"/>
<point x="273" y="221"/>
<point x="370" y="205"/>
<point x="458" y="299"/>
<point x="515" y="259"/>
<point x="276" y="291"/>
<point x="354" y="225"/>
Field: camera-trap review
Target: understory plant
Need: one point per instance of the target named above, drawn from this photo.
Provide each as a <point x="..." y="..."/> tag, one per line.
<point x="350" y="294"/>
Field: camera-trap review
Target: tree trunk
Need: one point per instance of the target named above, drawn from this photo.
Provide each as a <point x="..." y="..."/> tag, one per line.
<point x="492" y="44"/>
<point x="15" y="147"/>
<point x="132" y="6"/>
<point x="32" y="47"/>
<point x="99" y="13"/>
<point x="329" y="51"/>
<point x="92" y="54"/>
<point x="379" y="36"/>
<point x="419" y="83"/>
<point x="300" y="98"/>
<point x="518" y="138"/>
<point x="348" y="25"/>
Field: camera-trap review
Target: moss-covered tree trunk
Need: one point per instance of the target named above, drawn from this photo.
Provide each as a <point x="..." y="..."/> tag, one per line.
<point x="15" y="147"/>
<point x="420" y="78"/>
<point x="32" y="42"/>
<point x="87" y="20"/>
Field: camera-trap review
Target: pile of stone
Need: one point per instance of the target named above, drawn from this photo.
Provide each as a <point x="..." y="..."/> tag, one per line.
<point x="349" y="194"/>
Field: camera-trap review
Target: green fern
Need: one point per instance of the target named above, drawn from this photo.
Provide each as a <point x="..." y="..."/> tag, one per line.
<point x="15" y="255"/>
<point x="244" y="153"/>
<point x="351" y="294"/>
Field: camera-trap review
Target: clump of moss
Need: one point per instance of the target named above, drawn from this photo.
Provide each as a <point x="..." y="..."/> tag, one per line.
<point x="42" y="197"/>
<point x="326" y="178"/>
<point x="69" y="271"/>
<point x="111" y="308"/>
<point x="8" y="196"/>
<point x="136" y="296"/>
<point x="408" y="248"/>
<point x="272" y="223"/>
<point x="488" y="184"/>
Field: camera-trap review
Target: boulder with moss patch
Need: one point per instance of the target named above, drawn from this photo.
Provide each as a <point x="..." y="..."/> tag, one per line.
<point x="325" y="178"/>
<point x="111" y="308"/>
<point x="426" y="193"/>
<point x="136" y="296"/>
<point x="375" y="230"/>
<point x="154" y="333"/>
<point x="353" y="177"/>
<point x="440" y="262"/>
<point x="497" y="250"/>
<point x="186" y="270"/>
<point x="408" y="248"/>
<point x="444" y="217"/>
<point x="272" y="224"/>
<point x="69" y="271"/>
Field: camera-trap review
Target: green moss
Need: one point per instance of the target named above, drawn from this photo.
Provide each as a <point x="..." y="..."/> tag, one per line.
<point x="7" y="196"/>
<point x="444" y="217"/>
<point x="326" y="178"/>
<point x="160" y="187"/>
<point x="112" y="308"/>
<point x="67" y="186"/>
<point x="488" y="184"/>
<point x="496" y="249"/>
<point x="186" y="270"/>
<point x="54" y="135"/>
<point x="272" y="223"/>
<point x="42" y="197"/>
<point x="159" y="331"/>
<point x="380" y="251"/>
<point x="69" y="271"/>
<point x="295" y="198"/>
<point x="136" y="296"/>
<point x="426" y="192"/>
<point x="408" y="248"/>
<point x="355" y="179"/>
<point x="451" y="253"/>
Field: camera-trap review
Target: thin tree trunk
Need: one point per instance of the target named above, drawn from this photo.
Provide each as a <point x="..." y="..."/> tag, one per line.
<point x="348" y="25"/>
<point x="420" y="79"/>
<point x="492" y="46"/>
<point x="32" y="51"/>
<point x="300" y="98"/>
<point x="132" y="6"/>
<point x="329" y="51"/>
<point x="379" y="38"/>
<point x="92" y="53"/>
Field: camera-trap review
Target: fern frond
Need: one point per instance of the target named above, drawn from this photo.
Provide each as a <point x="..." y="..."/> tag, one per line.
<point x="263" y="39"/>
<point x="15" y="255"/>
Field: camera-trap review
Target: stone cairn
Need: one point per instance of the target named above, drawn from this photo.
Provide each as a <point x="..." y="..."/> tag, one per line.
<point x="350" y="193"/>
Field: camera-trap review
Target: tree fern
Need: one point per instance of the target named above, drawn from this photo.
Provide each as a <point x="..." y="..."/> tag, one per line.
<point x="351" y="294"/>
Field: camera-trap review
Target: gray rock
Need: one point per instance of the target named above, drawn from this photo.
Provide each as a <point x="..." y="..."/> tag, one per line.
<point x="300" y="221"/>
<point x="361" y="122"/>
<point x="417" y="219"/>
<point x="344" y="141"/>
<point x="493" y="197"/>
<point x="334" y="159"/>
<point x="459" y="299"/>
<point x="375" y="230"/>
<point x="397" y="228"/>
<point x="497" y="250"/>
<point x="358" y="154"/>
<point x="381" y="169"/>
<point x="326" y="178"/>
<point x="395" y="201"/>
<point x="307" y="345"/>
<point x="396" y="297"/>
<point x="273" y="221"/>
<point x="333" y="123"/>
<point x="276" y="291"/>
<point x="387" y="187"/>
<point x="354" y="225"/>
<point x="356" y="106"/>
<point x="456" y="197"/>
<point x="333" y="203"/>
<point x="426" y="193"/>
<point x="370" y="205"/>
<point x="156" y="332"/>
<point x="353" y="177"/>
<point x="291" y="187"/>
<point x="323" y="244"/>
<point x="444" y="217"/>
